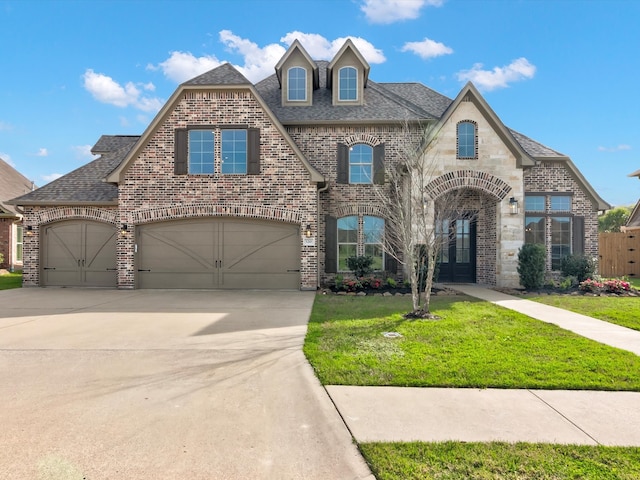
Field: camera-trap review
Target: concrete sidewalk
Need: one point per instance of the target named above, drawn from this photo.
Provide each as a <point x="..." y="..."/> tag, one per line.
<point x="394" y="414"/>
<point x="603" y="332"/>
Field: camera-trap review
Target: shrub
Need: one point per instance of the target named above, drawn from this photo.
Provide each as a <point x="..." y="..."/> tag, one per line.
<point x="616" y="286"/>
<point x="339" y="282"/>
<point x="591" y="285"/>
<point x="567" y="282"/>
<point x="360" y="265"/>
<point x="531" y="265"/>
<point x="578" y="266"/>
<point x="391" y="283"/>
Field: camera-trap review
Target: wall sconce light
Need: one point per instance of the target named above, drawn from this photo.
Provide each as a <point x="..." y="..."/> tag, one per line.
<point x="307" y="232"/>
<point x="29" y="229"/>
<point x="513" y="206"/>
<point x="123" y="228"/>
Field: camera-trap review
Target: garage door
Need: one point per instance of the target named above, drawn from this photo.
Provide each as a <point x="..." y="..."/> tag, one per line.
<point x="79" y="253"/>
<point x="218" y="253"/>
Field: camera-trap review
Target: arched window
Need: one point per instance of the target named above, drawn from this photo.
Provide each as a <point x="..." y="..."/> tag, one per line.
<point x="361" y="164"/>
<point x="348" y="84"/>
<point x="297" y="87"/>
<point x="466" y="140"/>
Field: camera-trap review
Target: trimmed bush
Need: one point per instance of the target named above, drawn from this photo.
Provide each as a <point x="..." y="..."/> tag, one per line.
<point x="531" y="265"/>
<point x="361" y="265"/>
<point x="577" y="266"/>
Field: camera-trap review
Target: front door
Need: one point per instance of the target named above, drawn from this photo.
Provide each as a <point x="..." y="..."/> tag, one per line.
<point x="458" y="251"/>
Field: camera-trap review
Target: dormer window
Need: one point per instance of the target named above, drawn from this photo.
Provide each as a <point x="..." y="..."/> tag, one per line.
<point x="297" y="84"/>
<point x="348" y="84"/>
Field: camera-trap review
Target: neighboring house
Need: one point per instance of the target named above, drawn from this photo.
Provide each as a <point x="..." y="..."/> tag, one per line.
<point x="12" y="184"/>
<point x="235" y="185"/>
<point x="634" y="219"/>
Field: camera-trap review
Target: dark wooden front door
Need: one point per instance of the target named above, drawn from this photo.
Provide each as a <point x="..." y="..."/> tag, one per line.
<point x="458" y="252"/>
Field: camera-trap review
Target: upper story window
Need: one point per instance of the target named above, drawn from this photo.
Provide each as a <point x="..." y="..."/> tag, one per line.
<point x="297" y="84"/>
<point x="215" y="150"/>
<point x="361" y="164"/>
<point x="348" y="84"/>
<point x="201" y="151"/>
<point x="534" y="203"/>
<point x="467" y="140"/>
<point x="560" y="203"/>
<point x="234" y="151"/>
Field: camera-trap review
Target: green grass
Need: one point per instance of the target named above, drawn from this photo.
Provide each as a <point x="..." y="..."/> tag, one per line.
<point x="476" y="345"/>
<point x="11" y="280"/>
<point x="500" y="461"/>
<point x="623" y="311"/>
<point x="635" y="282"/>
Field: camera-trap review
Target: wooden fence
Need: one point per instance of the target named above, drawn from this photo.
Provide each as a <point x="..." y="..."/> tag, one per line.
<point x="619" y="254"/>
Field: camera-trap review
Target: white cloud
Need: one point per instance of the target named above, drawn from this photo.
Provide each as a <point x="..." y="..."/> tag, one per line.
<point x="182" y="66"/>
<point x="319" y="48"/>
<point x="258" y="62"/>
<point x="43" y="152"/>
<point x="83" y="152"/>
<point x="50" y="178"/>
<point x="7" y="158"/>
<point x="427" y="48"/>
<point x="389" y="11"/>
<point x="617" y="148"/>
<point x="499" y="77"/>
<point x="106" y="90"/>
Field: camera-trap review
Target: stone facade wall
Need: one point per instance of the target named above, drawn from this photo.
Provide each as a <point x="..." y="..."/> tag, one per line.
<point x="281" y="192"/>
<point x="555" y="177"/>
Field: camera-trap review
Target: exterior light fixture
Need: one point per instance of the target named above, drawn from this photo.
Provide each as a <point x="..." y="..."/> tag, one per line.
<point x="307" y="232"/>
<point x="29" y="229"/>
<point x="513" y="206"/>
<point x="124" y="228"/>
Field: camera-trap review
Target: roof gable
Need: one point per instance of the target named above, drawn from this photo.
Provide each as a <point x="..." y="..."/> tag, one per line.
<point x="297" y="48"/>
<point x="348" y="47"/>
<point x="225" y="74"/>
<point x="12" y="184"/>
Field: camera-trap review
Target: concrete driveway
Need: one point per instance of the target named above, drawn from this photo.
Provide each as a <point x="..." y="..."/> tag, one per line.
<point x="108" y="384"/>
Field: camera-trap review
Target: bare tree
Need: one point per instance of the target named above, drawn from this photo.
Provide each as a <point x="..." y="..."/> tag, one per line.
<point x="418" y="217"/>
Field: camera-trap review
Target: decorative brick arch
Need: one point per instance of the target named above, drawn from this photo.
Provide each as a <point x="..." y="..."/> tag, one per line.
<point x="50" y="215"/>
<point x="474" y="179"/>
<point x="193" y="210"/>
<point x="349" y="210"/>
<point x="367" y="138"/>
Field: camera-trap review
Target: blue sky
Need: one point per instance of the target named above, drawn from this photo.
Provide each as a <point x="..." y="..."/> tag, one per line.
<point x="563" y="72"/>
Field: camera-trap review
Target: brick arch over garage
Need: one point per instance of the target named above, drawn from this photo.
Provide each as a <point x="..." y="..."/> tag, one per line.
<point x="50" y="215"/>
<point x="474" y="179"/>
<point x="195" y="210"/>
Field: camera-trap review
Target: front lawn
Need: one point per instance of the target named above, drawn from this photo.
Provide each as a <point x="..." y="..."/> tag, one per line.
<point x="11" y="280"/>
<point x="475" y="345"/>
<point x="500" y="461"/>
<point x="623" y="311"/>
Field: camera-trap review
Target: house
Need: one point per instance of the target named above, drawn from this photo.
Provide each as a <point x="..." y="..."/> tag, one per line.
<point x="272" y="185"/>
<point x="12" y="184"/>
<point x="633" y="223"/>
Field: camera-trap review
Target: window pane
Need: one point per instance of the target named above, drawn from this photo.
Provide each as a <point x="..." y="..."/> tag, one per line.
<point x="560" y="240"/>
<point x="534" y="230"/>
<point x="297" y="84"/>
<point x="373" y="234"/>
<point x="466" y="140"/>
<point x="534" y="203"/>
<point x="360" y="164"/>
<point x="345" y="251"/>
<point x="201" y="151"/>
<point x="348" y="79"/>
<point x="348" y="230"/>
<point x="19" y="240"/>
<point x="560" y="203"/>
<point x="234" y="151"/>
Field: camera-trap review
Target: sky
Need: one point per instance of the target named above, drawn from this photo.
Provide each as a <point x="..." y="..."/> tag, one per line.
<point x="563" y="72"/>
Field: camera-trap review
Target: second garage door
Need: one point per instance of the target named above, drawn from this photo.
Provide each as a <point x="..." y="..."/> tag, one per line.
<point x="212" y="253"/>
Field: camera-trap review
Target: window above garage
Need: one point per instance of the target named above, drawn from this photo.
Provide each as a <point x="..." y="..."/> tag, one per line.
<point x="211" y="150"/>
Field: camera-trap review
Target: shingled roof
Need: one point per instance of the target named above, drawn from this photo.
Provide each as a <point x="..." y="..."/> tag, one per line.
<point x="85" y="185"/>
<point x="12" y="184"/>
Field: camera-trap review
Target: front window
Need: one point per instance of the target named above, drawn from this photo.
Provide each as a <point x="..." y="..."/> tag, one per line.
<point x="347" y="241"/>
<point x="234" y="151"/>
<point x="466" y="139"/>
<point x="297" y="90"/>
<point x="361" y="235"/>
<point x="360" y="164"/>
<point x="534" y="230"/>
<point x="560" y="203"/>
<point x="373" y="233"/>
<point x="348" y="84"/>
<point x="19" y="242"/>
<point x="560" y="240"/>
<point x="201" y="152"/>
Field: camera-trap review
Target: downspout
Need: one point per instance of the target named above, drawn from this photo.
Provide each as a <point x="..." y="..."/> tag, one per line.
<point x="320" y="190"/>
